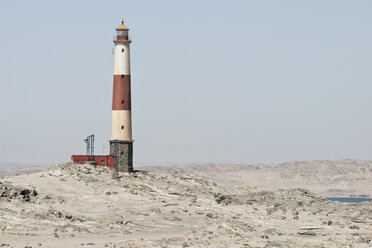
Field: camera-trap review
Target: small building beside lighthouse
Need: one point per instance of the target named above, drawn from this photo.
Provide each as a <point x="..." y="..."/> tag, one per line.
<point x="121" y="121"/>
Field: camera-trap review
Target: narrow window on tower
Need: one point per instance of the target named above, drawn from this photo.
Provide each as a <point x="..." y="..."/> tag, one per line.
<point x="122" y="153"/>
<point x="122" y="76"/>
<point x="122" y="50"/>
<point x="122" y="127"/>
<point x="122" y="101"/>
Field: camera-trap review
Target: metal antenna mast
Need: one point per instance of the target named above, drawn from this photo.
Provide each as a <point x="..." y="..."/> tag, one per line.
<point x="90" y="145"/>
<point x="87" y="141"/>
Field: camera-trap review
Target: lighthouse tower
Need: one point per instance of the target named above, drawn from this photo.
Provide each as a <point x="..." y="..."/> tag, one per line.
<point x="121" y="124"/>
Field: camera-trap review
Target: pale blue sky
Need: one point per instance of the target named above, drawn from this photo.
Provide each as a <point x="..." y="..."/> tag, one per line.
<point x="212" y="81"/>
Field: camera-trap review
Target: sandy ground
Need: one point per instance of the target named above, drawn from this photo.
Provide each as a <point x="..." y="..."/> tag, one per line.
<point x="74" y="205"/>
<point x="337" y="178"/>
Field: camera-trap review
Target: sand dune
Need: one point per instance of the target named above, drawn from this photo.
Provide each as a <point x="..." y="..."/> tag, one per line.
<point x="72" y="205"/>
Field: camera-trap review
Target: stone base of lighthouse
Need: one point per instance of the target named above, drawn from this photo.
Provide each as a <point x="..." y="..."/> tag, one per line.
<point x="125" y="153"/>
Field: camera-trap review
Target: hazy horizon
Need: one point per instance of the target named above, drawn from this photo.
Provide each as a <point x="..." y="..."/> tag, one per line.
<point x="213" y="81"/>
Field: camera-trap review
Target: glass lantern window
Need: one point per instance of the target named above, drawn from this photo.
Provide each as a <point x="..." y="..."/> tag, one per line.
<point x="122" y="32"/>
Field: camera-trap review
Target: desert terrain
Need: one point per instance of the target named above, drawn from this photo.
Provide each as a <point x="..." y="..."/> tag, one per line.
<point x="329" y="178"/>
<point x="10" y="169"/>
<point x="71" y="205"/>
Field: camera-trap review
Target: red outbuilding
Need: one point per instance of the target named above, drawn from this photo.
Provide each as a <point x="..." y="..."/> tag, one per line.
<point x="103" y="160"/>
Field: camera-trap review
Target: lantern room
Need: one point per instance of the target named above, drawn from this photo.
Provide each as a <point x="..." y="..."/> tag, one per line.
<point x="122" y="32"/>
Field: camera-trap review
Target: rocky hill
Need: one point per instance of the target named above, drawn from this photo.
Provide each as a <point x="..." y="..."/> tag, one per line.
<point x="73" y="205"/>
<point x="338" y="178"/>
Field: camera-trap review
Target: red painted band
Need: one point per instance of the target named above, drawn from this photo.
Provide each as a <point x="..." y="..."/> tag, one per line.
<point x="121" y="99"/>
<point x="122" y="37"/>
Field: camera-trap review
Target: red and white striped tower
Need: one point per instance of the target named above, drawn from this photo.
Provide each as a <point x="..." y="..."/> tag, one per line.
<point x="121" y="125"/>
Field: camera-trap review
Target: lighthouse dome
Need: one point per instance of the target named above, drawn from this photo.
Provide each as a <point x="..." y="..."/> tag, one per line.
<point x="122" y="26"/>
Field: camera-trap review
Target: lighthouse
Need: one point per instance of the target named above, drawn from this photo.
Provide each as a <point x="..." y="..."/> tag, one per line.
<point x="121" y="122"/>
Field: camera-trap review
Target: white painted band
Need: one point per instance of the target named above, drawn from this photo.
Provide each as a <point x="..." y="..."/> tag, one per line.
<point x="122" y="59"/>
<point x="121" y="125"/>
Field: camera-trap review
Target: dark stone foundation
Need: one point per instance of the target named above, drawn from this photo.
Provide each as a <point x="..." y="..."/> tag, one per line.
<point x="125" y="153"/>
